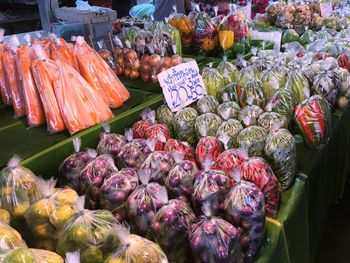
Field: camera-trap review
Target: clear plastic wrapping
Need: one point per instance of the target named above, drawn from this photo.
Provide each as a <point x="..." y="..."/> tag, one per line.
<point x="72" y="166"/>
<point x="249" y="115"/>
<point x="44" y="70"/>
<point x="165" y="116"/>
<point x="45" y="256"/>
<point x="230" y="128"/>
<point x="98" y="74"/>
<point x="139" y="127"/>
<point x="90" y="232"/>
<point x="184" y="125"/>
<point x="207" y="104"/>
<point x="180" y="179"/>
<point x="228" y="110"/>
<point x="5" y="216"/>
<point x="204" y="35"/>
<point x="33" y="105"/>
<point x="283" y="102"/>
<point x="213" y="80"/>
<point x="228" y="70"/>
<point x="170" y="228"/>
<point x="208" y="148"/>
<point x="131" y="64"/>
<point x="4" y="85"/>
<point x="207" y="125"/>
<point x="116" y="189"/>
<point x="228" y="93"/>
<point x="280" y="150"/>
<point x="211" y="186"/>
<point x="134" y="152"/>
<point x="297" y="83"/>
<point x="110" y="143"/>
<point x="173" y="145"/>
<point x="18" y="188"/>
<point x="245" y="209"/>
<point x="105" y="54"/>
<point x="143" y="203"/>
<point x="272" y="80"/>
<point x="64" y="54"/>
<point x="81" y="107"/>
<point x="135" y="249"/>
<point x="47" y="216"/>
<point x="9" y="239"/>
<point x="214" y="240"/>
<point x="253" y="92"/>
<point x="268" y="120"/>
<point x="159" y="133"/>
<point x="247" y="74"/>
<point x="327" y="84"/>
<point x="252" y="139"/>
<point x="13" y="81"/>
<point x="259" y="172"/>
<point x="313" y="120"/>
<point x="230" y="160"/>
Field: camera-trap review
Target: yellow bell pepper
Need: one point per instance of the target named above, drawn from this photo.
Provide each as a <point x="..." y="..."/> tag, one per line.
<point x="226" y="39"/>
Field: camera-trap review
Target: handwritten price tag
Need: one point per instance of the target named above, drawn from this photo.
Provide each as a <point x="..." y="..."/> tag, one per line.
<point x="182" y="85"/>
<point x="326" y="9"/>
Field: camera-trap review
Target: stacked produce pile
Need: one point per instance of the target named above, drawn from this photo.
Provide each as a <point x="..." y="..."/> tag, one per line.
<point x="298" y="15"/>
<point x="45" y="79"/>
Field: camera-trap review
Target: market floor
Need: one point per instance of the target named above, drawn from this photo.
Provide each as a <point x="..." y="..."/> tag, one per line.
<point x="335" y="245"/>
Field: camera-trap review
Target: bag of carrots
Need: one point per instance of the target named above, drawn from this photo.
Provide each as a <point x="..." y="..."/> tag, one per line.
<point x="12" y="77"/>
<point x="43" y="70"/>
<point x="64" y="54"/>
<point x="81" y="106"/>
<point x="99" y="75"/>
<point x="44" y="42"/>
<point x="33" y="106"/>
<point x="4" y="87"/>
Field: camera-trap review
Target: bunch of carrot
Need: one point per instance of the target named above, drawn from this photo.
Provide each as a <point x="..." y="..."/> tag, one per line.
<point x="50" y="81"/>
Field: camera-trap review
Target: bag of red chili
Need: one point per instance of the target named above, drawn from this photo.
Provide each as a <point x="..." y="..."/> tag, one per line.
<point x="313" y="119"/>
<point x="158" y="132"/>
<point x="147" y="119"/>
<point x="173" y="145"/>
<point x="259" y="172"/>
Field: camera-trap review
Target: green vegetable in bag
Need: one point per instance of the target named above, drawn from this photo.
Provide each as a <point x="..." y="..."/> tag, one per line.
<point x="298" y="84"/>
<point x="184" y="125"/>
<point x="213" y="80"/>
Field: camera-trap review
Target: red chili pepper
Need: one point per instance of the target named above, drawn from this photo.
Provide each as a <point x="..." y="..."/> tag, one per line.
<point x="320" y="116"/>
<point x="343" y="61"/>
<point x="301" y="119"/>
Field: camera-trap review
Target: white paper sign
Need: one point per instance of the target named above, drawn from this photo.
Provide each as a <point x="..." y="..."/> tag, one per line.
<point x="274" y="36"/>
<point x="182" y="85"/>
<point x="326" y="9"/>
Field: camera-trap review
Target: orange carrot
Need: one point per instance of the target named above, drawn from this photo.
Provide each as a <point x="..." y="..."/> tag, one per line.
<point x="44" y="70"/>
<point x="4" y="86"/>
<point x="9" y="62"/>
<point x="64" y="54"/>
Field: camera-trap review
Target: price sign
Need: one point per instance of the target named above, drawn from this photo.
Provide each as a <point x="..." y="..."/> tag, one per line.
<point x="274" y="37"/>
<point x="182" y="85"/>
<point x="326" y="9"/>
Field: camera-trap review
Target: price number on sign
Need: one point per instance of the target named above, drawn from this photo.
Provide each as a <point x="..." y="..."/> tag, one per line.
<point x="182" y="85"/>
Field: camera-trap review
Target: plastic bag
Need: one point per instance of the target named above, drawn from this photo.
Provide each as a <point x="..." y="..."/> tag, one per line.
<point x="268" y="120"/>
<point x="5" y="216"/>
<point x="215" y="240"/>
<point x="230" y="160"/>
<point x="4" y="85"/>
<point x="110" y="143"/>
<point x="33" y="105"/>
<point x="159" y="133"/>
<point x="144" y="202"/>
<point x="286" y="17"/>
<point x="9" y="239"/>
<point x="228" y="110"/>
<point x="280" y="150"/>
<point x="226" y="34"/>
<point x="313" y="120"/>
<point x="184" y="122"/>
<point x="228" y="70"/>
<point x="247" y="74"/>
<point x="92" y="177"/>
<point x="283" y="102"/>
<point x="252" y="139"/>
<point x="230" y="128"/>
<point x="273" y="10"/>
<point x="211" y="186"/>
<point x="90" y="232"/>
<point x="207" y="125"/>
<point x="45" y="256"/>
<point x="204" y="35"/>
<point x="47" y="216"/>
<point x="134" y="152"/>
<point x="170" y="228"/>
<point x="297" y="83"/>
<point x="180" y="179"/>
<point x="173" y="145"/>
<point x="326" y="84"/>
<point x="307" y="37"/>
<point x="259" y="172"/>
<point x="105" y="54"/>
<point x="213" y="80"/>
<point x="272" y="80"/>
<point x="228" y="93"/>
<point x="252" y="92"/>
<point x="249" y="115"/>
<point x="13" y="81"/>
<point x="180" y="21"/>
<point x="131" y="64"/>
<point x="244" y="206"/>
<point x="135" y="249"/>
<point x="97" y="73"/>
<point x="116" y="189"/>
<point x="159" y="163"/>
<point x="19" y="188"/>
<point x="208" y="148"/>
<point x="139" y="127"/>
<point x="72" y="166"/>
<point x="44" y="70"/>
<point x="289" y="36"/>
<point x="64" y="54"/>
<point x="207" y="104"/>
<point x="165" y="116"/>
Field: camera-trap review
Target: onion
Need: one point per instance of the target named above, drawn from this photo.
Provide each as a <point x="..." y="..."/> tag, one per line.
<point x="146" y="68"/>
<point x="176" y="60"/>
<point x="166" y="62"/>
<point x="163" y="68"/>
<point x="119" y="52"/>
<point x="145" y="59"/>
<point x="146" y="77"/>
<point x="134" y="74"/>
<point x="120" y="61"/>
<point x="127" y="72"/>
<point x="154" y="60"/>
<point x="131" y="55"/>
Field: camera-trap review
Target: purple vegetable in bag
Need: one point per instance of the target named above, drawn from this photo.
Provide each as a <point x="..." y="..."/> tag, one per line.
<point x="110" y="143"/>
